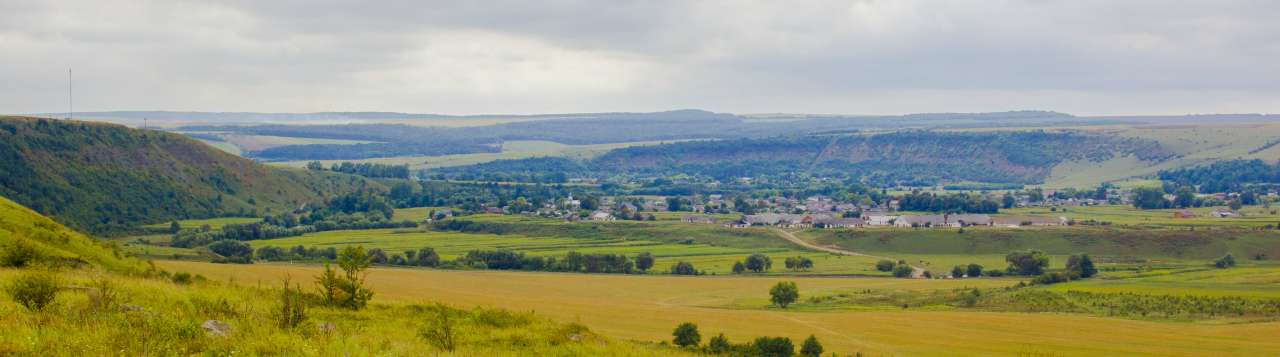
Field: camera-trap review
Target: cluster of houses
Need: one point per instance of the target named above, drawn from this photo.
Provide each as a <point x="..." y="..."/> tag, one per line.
<point x="783" y="220"/>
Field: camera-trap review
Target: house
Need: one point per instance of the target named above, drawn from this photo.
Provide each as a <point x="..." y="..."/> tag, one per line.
<point x="879" y="220"/>
<point x="494" y="210"/>
<point x="1184" y="214"/>
<point x="766" y="219"/>
<point x="838" y="222"/>
<point x="698" y="219"/>
<point x="601" y="216"/>
<point x="921" y="221"/>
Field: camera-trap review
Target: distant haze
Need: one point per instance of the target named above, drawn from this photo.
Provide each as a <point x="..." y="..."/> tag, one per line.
<point x="469" y="57"/>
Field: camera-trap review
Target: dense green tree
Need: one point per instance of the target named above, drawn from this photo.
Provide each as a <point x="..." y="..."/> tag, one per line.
<point x="1149" y="198"/>
<point x="644" y="261"/>
<point x="1185" y="197"/>
<point x="973" y="270"/>
<point x="957" y="271"/>
<point x="1226" y="261"/>
<point x="1081" y="265"/>
<point x="686" y="335"/>
<point x="426" y="257"/>
<point x="758" y="263"/>
<point x="1028" y="262"/>
<point x="784" y="293"/>
<point x="719" y="344"/>
<point x="739" y="268"/>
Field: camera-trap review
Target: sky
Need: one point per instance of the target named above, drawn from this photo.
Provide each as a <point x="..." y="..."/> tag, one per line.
<point x="471" y="57"/>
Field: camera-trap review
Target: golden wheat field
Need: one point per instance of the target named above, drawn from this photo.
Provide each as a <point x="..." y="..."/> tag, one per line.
<point x="646" y="308"/>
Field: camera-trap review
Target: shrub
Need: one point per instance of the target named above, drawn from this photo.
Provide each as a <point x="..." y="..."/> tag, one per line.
<point x="994" y="273"/>
<point x="683" y="268"/>
<point x="1053" y="278"/>
<point x="902" y="271"/>
<point x="19" y="253"/>
<point x="957" y="272"/>
<point x="686" y="335"/>
<point x="1226" y="261"/>
<point x="426" y="257"/>
<point x="439" y="331"/>
<point x="719" y="344"/>
<point x="181" y="278"/>
<point x="885" y="265"/>
<point x="784" y="293"/>
<point x="293" y="307"/>
<point x="738" y="268"/>
<point x="34" y="290"/>
<point x="773" y="346"/>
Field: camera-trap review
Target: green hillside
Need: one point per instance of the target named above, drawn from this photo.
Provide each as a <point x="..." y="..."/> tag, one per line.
<point x="53" y="242"/>
<point x="106" y="178"/>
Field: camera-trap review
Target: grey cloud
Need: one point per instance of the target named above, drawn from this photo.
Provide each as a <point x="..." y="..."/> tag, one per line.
<point x="1088" y="57"/>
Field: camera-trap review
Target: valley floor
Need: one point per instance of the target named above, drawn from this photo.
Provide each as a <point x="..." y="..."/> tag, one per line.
<point x="646" y="308"/>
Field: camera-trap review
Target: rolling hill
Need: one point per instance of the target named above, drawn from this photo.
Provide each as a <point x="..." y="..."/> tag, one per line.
<point x="106" y="178"/>
<point x="22" y="226"/>
<point x="908" y="157"/>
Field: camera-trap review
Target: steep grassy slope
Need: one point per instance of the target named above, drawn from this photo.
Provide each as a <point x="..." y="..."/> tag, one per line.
<point x="105" y="178"/>
<point x="53" y="241"/>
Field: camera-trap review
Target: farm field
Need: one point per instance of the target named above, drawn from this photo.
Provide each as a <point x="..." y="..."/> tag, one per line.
<point x="1251" y="216"/>
<point x="646" y="308"/>
<point x="707" y="257"/>
<point x="1257" y="281"/>
<point x="510" y="150"/>
<point x="214" y="223"/>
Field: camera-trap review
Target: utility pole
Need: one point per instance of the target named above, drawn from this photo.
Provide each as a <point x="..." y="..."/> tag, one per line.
<point x="70" y="101"/>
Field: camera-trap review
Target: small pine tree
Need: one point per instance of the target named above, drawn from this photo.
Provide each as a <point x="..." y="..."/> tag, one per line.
<point x="811" y="347"/>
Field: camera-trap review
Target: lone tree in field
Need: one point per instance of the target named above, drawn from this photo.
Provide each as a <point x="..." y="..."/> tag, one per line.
<point x="346" y="290"/>
<point x="686" y="335"/>
<point x="1081" y="265"/>
<point x="738" y="268"/>
<point x="784" y="293"/>
<point x="759" y="263"/>
<point x="1027" y="262"/>
<point x="644" y="261"/>
<point x="810" y="347"/>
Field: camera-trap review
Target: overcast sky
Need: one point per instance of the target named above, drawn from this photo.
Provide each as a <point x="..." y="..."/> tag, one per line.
<point x="466" y="57"/>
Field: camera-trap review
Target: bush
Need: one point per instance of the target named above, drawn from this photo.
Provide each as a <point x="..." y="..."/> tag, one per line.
<point x="1081" y="265"/>
<point x="293" y="307"/>
<point x="957" y="272"/>
<point x="686" y="335"/>
<point x="885" y="265"/>
<point x="994" y="273"/>
<point x="902" y="271"/>
<point x="34" y="290"/>
<point x="1226" y="261"/>
<point x="738" y="268"/>
<point x="1053" y="278"/>
<point x="773" y="346"/>
<point x="784" y="293"/>
<point x="19" y="253"/>
<point x="719" y="344"/>
<point x="439" y="331"/>
<point x="683" y="268"/>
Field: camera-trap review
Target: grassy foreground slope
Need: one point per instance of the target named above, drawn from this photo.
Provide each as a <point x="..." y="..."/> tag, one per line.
<point x="113" y="305"/>
<point x="106" y="178"/>
<point x="647" y="308"/>
<point x="22" y="226"/>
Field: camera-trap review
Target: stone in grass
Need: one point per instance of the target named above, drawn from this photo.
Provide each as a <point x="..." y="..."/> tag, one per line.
<point x="215" y="328"/>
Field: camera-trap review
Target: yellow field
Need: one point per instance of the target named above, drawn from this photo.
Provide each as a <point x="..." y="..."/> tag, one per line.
<point x="648" y="307"/>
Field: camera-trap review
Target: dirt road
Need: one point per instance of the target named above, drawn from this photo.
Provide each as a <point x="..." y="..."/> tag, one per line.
<point x="916" y="272"/>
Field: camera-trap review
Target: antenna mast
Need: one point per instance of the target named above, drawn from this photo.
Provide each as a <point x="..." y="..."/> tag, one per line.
<point x="70" y="101"/>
